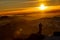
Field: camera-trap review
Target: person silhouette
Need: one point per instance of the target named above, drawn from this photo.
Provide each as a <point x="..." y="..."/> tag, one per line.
<point x="40" y="29"/>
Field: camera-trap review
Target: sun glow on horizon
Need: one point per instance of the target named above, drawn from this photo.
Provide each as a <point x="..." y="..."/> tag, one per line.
<point x="42" y="7"/>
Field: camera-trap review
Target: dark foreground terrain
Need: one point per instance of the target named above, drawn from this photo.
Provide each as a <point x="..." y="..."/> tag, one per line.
<point x="17" y="27"/>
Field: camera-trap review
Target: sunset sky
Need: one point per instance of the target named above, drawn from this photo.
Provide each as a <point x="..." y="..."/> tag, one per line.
<point x="12" y="4"/>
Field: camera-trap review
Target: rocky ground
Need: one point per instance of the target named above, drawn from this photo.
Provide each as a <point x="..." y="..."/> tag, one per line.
<point x="16" y="26"/>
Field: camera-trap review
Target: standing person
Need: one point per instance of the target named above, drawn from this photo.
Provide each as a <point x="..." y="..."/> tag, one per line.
<point x="40" y="29"/>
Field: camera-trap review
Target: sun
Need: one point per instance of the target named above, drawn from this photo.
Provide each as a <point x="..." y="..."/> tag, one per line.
<point x="42" y="7"/>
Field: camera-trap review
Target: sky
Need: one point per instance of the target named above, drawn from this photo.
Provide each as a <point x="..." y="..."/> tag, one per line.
<point x="11" y="4"/>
